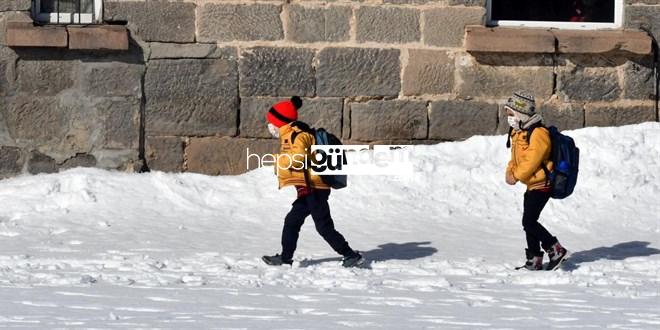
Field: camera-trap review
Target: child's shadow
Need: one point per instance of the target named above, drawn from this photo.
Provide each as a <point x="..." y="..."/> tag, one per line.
<point x="384" y="252"/>
<point x="616" y="252"/>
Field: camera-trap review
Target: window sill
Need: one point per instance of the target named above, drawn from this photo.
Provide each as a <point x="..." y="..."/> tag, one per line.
<point x="543" y="40"/>
<point x="91" y="37"/>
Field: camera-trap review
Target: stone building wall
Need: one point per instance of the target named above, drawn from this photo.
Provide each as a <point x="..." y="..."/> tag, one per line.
<point x="191" y="92"/>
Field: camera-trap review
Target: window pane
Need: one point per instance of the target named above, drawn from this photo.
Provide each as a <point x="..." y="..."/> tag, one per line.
<point x="66" y="6"/>
<point x="600" y="11"/>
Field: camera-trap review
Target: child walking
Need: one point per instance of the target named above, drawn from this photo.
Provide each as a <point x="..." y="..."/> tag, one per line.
<point x="530" y="161"/>
<point x="312" y="192"/>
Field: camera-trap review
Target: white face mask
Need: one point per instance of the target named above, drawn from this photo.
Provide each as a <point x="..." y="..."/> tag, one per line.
<point x="513" y="122"/>
<point x="274" y="131"/>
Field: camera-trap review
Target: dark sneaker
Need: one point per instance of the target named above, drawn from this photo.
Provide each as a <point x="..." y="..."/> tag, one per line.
<point x="276" y="260"/>
<point x="557" y="255"/>
<point x="534" y="261"/>
<point x="355" y="260"/>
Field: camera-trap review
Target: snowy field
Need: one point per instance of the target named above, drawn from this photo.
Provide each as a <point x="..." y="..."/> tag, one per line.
<point x="94" y="249"/>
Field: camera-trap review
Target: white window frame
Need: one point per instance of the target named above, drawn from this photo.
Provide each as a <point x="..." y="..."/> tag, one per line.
<point x="618" y="21"/>
<point x="69" y="18"/>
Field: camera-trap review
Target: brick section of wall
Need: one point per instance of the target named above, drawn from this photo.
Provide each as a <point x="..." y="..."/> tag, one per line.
<point x="318" y="24"/>
<point x="384" y="120"/>
<point x="387" y="25"/>
<point x="428" y="72"/>
<point x="276" y="72"/>
<point x="458" y="120"/>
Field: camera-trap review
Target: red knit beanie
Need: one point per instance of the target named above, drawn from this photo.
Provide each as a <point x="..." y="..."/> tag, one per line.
<point x="284" y="112"/>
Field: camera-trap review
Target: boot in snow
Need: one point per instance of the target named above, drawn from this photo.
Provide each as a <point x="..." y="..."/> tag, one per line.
<point x="355" y="260"/>
<point x="557" y="255"/>
<point x="276" y="260"/>
<point x="534" y="261"/>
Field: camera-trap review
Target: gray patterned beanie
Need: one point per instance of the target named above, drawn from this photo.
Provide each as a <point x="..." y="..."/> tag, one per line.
<point x="522" y="102"/>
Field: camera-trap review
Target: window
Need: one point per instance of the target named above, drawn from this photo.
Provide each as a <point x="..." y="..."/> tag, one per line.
<point x="68" y="11"/>
<point x="567" y="14"/>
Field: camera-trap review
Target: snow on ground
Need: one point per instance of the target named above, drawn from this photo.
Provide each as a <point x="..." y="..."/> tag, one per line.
<point x="94" y="249"/>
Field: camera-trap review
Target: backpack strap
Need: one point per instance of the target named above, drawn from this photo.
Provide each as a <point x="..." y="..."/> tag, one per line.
<point x="508" y="138"/>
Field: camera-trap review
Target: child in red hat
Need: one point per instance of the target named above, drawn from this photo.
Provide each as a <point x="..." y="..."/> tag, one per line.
<point x="312" y="193"/>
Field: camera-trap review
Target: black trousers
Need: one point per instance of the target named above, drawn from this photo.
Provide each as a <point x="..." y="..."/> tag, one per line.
<point x="315" y="204"/>
<point x="535" y="233"/>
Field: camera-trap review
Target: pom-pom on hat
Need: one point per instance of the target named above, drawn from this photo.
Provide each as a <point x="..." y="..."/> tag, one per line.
<point x="284" y="112"/>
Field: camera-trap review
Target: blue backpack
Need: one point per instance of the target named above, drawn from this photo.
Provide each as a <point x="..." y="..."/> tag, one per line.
<point x="566" y="158"/>
<point x="323" y="137"/>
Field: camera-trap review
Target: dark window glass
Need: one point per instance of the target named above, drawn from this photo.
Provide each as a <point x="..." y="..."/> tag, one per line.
<point x="66" y="6"/>
<point x="595" y="11"/>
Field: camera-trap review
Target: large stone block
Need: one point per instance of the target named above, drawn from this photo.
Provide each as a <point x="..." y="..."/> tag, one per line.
<point x="11" y="161"/>
<point x="155" y="20"/>
<point x="276" y="72"/>
<point x="428" y="72"/>
<point x="109" y="79"/>
<point x="15" y="5"/>
<point x="477" y="3"/>
<point x="619" y="114"/>
<point x="79" y="160"/>
<point x="41" y="163"/>
<point x="499" y="76"/>
<point x="643" y="17"/>
<point x="578" y="83"/>
<point x="458" y="120"/>
<point x="164" y="153"/>
<point x="121" y="123"/>
<point x="191" y="97"/>
<point x="226" y="156"/>
<point x="565" y="116"/>
<point x="445" y="27"/>
<point x="318" y="112"/>
<point x="229" y="22"/>
<point x="45" y="78"/>
<point x="387" y="25"/>
<point x="358" y="72"/>
<point x="26" y="113"/>
<point x="177" y="51"/>
<point x="638" y="82"/>
<point x="376" y="120"/>
<point x="314" y="24"/>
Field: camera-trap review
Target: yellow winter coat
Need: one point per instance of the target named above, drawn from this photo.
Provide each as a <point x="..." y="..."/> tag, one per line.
<point x="289" y="168"/>
<point x="526" y="158"/>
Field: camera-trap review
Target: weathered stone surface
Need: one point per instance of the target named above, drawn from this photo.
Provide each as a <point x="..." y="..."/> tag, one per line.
<point x="11" y="161"/>
<point x="638" y="82"/>
<point x="593" y="42"/>
<point x="176" y="51"/>
<point x="26" y="34"/>
<point x="155" y="21"/>
<point x="619" y="114"/>
<point x="225" y="156"/>
<point x="508" y="40"/>
<point x="40" y="163"/>
<point x="15" y="5"/>
<point x="229" y="22"/>
<point x="44" y="78"/>
<point x="319" y="112"/>
<point x="643" y="17"/>
<point x="479" y="3"/>
<point x="358" y="71"/>
<point x="26" y="113"/>
<point x="108" y="79"/>
<point x="458" y="120"/>
<point x="79" y="160"/>
<point x="445" y="27"/>
<point x="191" y="97"/>
<point x="387" y="25"/>
<point x="500" y="75"/>
<point x="428" y="72"/>
<point x="277" y="72"/>
<point x="312" y="24"/>
<point x="577" y="83"/>
<point x="121" y="122"/>
<point x="107" y="37"/>
<point x="388" y="120"/>
<point x="164" y="153"/>
<point x="565" y="116"/>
